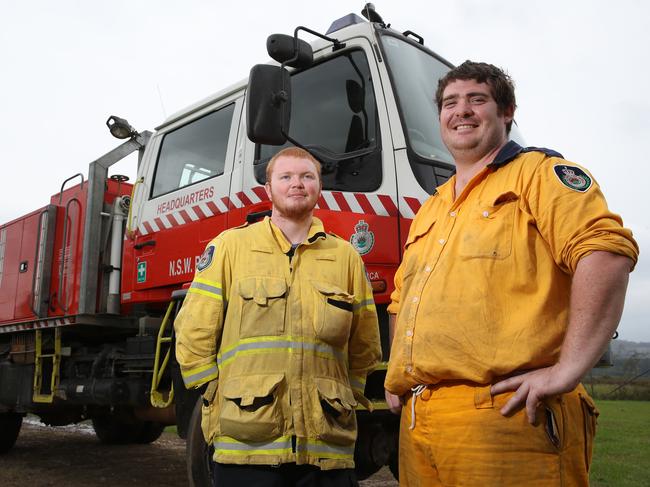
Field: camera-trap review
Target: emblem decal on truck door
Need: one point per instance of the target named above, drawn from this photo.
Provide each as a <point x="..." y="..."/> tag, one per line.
<point x="363" y="240"/>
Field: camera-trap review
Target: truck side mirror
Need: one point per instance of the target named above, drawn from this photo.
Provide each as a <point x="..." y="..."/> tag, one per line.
<point x="268" y="105"/>
<point x="282" y="48"/>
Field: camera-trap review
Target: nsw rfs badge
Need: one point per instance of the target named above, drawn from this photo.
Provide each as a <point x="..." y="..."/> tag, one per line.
<point x="363" y="240"/>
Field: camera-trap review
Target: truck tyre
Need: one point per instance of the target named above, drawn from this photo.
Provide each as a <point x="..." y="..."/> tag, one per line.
<point x="198" y="453"/>
<point x="393" y="465"/>
<point x="10" y="424"/>
<point x="371" y="449"/>
<point x="114" y="430"/>
<point x="150" y="432"/>
<point x="124" y="428"/>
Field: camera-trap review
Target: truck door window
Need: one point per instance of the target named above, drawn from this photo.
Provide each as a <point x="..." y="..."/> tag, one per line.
<point x="193" y="152"/>
<point x="334" y="114"/>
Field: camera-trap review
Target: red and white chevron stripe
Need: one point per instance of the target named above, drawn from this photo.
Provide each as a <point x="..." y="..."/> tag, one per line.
<point x="361" y="203"/>
<point x="37" y="325"/>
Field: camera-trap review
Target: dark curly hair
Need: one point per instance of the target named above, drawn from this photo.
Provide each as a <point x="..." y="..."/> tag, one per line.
<point x="501" y="85"/>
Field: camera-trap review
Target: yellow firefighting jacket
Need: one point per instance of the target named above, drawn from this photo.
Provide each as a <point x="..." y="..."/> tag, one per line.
<point x="284" y="340"/>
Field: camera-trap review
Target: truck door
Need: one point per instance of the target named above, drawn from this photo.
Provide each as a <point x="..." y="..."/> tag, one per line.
<point x="338" y="113"/>
<point x="181" y="200"/>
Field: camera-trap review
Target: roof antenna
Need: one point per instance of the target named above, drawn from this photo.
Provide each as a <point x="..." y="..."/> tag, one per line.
<point x="162" y="105"/>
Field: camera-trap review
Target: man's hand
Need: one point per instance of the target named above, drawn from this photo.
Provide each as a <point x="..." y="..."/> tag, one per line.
<point x="394" y="404"/>
<point x="532" y="387"/>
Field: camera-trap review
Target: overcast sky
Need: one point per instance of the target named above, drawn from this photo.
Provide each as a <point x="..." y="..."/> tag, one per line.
<point x="581" y="69"/>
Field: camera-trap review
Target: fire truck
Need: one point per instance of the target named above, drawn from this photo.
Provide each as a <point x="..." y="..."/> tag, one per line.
<point x="90" y="282"/>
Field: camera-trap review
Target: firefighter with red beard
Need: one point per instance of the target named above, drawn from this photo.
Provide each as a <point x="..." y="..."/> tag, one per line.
<point x="279" y="330"/>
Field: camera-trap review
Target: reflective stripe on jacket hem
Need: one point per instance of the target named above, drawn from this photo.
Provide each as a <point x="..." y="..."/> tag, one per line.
<point x="229" y="446"/>
<point x="224" y="445"/>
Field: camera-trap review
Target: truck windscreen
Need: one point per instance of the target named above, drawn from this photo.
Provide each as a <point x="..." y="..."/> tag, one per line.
<point x="415" y="74"/>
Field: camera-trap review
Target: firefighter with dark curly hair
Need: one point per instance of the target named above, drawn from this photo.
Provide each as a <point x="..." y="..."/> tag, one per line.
<point x="511" y="285"/>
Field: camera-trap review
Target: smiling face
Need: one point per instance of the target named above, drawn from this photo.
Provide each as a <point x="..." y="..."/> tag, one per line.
<point x="293" y="187"/>
<point x="471" y="124"/>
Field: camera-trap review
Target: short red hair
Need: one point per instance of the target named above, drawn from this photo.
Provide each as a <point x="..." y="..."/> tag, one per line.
<point x="297" y="153"/>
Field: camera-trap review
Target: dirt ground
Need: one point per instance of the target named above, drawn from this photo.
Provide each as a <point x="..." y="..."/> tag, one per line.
<point x="73" y="457"/>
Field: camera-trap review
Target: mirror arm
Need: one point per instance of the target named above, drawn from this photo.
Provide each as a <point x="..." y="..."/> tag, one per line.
<point x="298" y="144"/>
<point x="336" y="43"/>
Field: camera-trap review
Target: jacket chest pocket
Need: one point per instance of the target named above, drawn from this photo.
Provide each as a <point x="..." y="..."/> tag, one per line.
<point x="334" y="417"/>
<point x="333" y="309"/>
<point x="263" y="306"/>
<point x="251" y="408"/>
<point x="488" y="233"/>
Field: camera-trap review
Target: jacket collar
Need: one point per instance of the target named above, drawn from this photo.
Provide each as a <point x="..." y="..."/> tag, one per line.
<point x="316" y="232"/>
<point x="507" y="153"/>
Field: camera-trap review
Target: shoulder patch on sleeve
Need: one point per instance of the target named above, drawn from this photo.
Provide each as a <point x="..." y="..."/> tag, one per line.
<point x="206" y="258"/>
<point x="573" y="177"/>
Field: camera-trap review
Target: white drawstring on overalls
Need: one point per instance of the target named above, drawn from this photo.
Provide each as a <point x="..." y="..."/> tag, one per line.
<point x="417" y="390"/>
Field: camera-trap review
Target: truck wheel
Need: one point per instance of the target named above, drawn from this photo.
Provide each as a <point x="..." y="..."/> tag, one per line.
<point x="150" y="432"/>
<point x="393" y="465"/>
<point x="10" y="424"/>
<point x="371" y="450"/>
<point x="121" y="428"/>
<point x="114" y="430"/>
<point x="198" y="453"/>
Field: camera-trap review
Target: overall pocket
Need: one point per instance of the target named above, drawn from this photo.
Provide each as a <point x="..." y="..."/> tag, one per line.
<point x="590" y="414"/>
<point x="335" y="419"/>
<point x="251" y="408"/>
<point x="333" y="308"/>
<point x="263" y="306"/>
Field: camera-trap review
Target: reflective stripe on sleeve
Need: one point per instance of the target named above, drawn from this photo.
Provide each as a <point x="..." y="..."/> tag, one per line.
<point x="228" y="446"/>
<point x="367" y="303"/>
<point x="204" y="287"/>
<point x="358" y="383"/>
<point x="200" y="375"/>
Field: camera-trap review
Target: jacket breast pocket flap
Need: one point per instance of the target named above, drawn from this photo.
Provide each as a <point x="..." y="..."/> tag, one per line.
<point x="490" y="230"/>
<point x="337" y="422"/>
<point x="263" y="306"/>
<point x="251" y="409"/>
<point x="417" y="232"/>
<point x="333" y="292"/>
<point x="333" y="309"/>
<point x="262" y="289"/>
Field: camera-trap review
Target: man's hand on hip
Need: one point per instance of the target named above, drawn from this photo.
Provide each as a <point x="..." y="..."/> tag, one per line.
<point x="532" y="387"/>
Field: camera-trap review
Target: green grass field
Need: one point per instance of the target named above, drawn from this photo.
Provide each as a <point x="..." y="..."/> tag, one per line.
<point x="636" y="391"/>
<point x="622" y="449"/>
